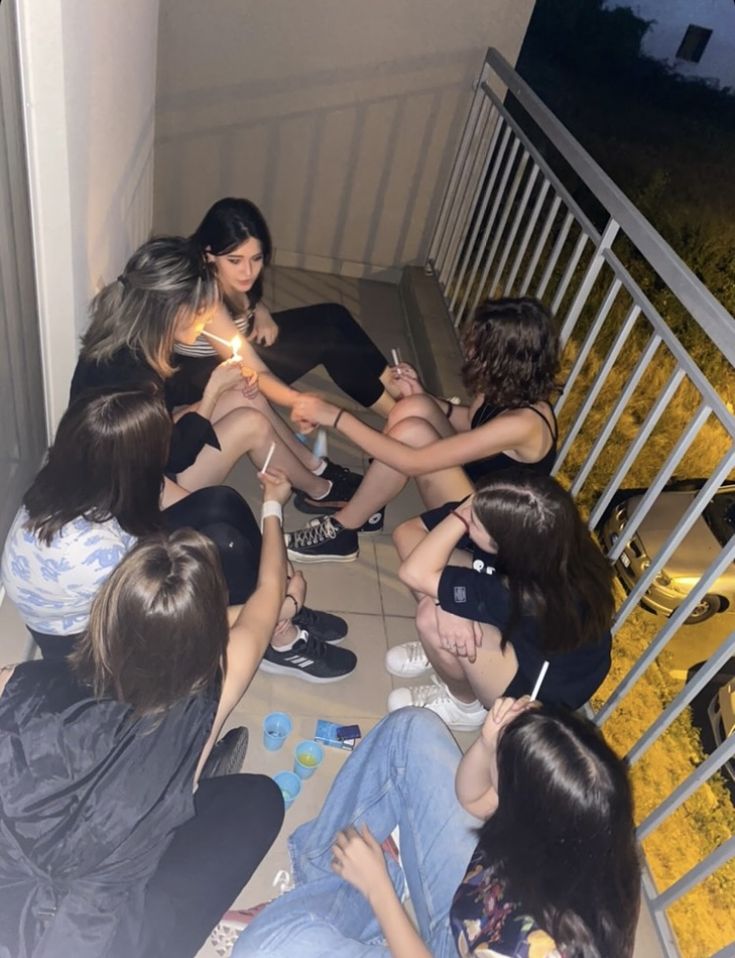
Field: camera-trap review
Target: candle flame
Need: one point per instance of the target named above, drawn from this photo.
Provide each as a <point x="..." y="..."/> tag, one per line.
<point x="235" y="344"/>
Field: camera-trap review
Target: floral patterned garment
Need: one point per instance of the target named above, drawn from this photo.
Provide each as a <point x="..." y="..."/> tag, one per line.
<point x="486" y="925"/>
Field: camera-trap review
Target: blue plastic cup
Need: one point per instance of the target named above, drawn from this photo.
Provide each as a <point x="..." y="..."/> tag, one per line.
<point x="290" y="786"/>
<point x="276" y="728"/>
<point x="309" y="757"/>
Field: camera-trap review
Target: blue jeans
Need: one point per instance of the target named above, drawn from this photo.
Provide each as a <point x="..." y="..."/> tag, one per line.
<point x="401" y="774"/>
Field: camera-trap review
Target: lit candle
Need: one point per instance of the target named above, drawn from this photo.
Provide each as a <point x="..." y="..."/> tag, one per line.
<point x="235" y="344"/>
<point x="218" y="339"/>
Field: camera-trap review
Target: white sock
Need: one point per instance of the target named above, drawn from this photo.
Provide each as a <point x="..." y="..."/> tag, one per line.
<point x="300" y="634"/>
<point x="320" y="468"/>
<point x="324" y="495"/>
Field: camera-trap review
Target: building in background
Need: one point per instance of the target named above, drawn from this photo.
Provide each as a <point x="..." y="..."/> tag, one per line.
<point x="696" y="38"/>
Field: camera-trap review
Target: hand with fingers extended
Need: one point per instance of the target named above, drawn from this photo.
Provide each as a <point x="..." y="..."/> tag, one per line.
<point x="264" y="331"/>
<point x="503" y="711"/>
<point x="461" y="637"/>
<point x="275" y="485"/>
<point x="358" y="858"/>
<point x="312" y="410"/>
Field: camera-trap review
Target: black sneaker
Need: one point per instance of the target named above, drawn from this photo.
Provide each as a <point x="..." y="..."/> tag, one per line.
<point x="310" y="659"/>
<point x="228" y="754"/>
<point x="374" y="523"/>
<point x="323" y="625"/>
<point x="344" y="486"/>
<point x="323" y="540"/>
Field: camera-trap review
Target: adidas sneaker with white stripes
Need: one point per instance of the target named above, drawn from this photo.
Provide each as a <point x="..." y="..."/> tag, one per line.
<point x="310" y="659"/>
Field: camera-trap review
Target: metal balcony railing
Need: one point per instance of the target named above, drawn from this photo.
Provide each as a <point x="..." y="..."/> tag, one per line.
<point x="527" y="211"/>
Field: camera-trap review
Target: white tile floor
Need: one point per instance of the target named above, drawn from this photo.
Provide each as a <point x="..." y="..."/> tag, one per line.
<point x="367" y="592"/>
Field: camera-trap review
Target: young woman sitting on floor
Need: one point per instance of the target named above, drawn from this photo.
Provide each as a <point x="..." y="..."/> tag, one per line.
<point x="511" y="353"/>
<point x="98" y="491"/>
<point x="552" y="870"/>
<point x="290" y="343"/>
<point x="166" y="294"/>
<point x="505" y="581"/>
<point x="106" y="848"/>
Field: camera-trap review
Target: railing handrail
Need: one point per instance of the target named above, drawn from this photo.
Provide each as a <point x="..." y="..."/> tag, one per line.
<point x="711" y="315"/>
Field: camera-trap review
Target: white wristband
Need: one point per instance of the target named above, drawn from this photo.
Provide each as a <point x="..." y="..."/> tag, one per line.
<point x="271" y="508"/>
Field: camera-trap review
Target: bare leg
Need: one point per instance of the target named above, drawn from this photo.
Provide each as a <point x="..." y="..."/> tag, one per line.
<point x="382" y="483"/>
<point x="485" y="679"/>
<point x="247" y="432"/>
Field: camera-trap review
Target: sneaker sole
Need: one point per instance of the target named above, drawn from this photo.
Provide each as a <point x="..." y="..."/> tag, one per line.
<point x="317" y="508"/>
<point x="300" y="557"/>
<point x="274" y="669"/>
<point x="407" y="675"/>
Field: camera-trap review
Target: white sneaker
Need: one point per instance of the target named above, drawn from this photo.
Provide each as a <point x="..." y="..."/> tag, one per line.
<point x="407" y="661"/>
<point x="437" y="697"/>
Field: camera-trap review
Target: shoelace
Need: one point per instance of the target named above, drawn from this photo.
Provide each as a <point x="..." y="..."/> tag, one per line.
<point x="415" y="653"/>
<point x="314" y="534"/>
<point x="424" y="694"/>
<point x="313" y="647"/>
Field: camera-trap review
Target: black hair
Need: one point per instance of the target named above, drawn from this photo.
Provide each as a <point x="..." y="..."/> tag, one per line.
<point x="562" y="839"/>
<point x="229" y="223"/>
<point x="107" y="461"/>
<point x="555" y="570"/>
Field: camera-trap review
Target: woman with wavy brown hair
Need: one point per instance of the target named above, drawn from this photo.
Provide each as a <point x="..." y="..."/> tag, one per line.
<point x="511" y="360"/>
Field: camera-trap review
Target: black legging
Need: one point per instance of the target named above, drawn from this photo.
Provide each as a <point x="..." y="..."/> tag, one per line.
<point x="210" y="859"/>
<point x="222" y="515"/>
<point x="309" y="336"/>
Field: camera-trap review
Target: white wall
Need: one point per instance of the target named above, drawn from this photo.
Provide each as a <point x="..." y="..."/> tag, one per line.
<point x="671" y="19"/>
<point x="338" y="117"/>
<point x="89" y="70"/>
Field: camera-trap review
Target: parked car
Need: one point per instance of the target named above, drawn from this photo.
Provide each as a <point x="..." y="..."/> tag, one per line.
<point x="713" y="715"/>
<point x="684" y="568"/>
<point x="721" y="715"/>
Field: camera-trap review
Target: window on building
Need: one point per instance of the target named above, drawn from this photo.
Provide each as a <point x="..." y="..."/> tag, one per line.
<point x="693" y="45"/>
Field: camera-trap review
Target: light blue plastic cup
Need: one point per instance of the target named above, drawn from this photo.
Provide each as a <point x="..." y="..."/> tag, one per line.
<point x="309" y="757"/>
<point x="276" y="728"/>
<point x="290" y="786"/>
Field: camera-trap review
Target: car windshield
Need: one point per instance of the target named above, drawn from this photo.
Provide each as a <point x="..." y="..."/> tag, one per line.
<point x="719" y="515"/>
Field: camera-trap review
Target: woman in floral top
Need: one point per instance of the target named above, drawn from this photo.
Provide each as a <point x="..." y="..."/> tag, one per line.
<point x="553" y="870"/>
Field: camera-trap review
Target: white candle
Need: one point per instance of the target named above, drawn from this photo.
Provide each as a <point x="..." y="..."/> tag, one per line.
<point x="268" y="458"/>
<point x="396" y="354"/>
<point x="537" y="687"/>
<point x="225" y="342"/>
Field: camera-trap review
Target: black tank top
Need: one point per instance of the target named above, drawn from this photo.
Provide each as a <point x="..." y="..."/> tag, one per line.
<point x="481" y="467"/>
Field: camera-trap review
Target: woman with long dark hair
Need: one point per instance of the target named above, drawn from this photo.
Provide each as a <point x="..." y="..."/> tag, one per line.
<point x="98" y="491"/>
<point x="290" y="343"/>
<point x="552" y="870"/>
<point x="517" y="566"/>
<point x="167" y="294"/>
<point x="106" y="848"/>
<point x="511" y="360"/>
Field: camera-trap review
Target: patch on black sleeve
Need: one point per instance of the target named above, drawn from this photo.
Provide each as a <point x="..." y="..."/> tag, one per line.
<point x="460" y="594"/>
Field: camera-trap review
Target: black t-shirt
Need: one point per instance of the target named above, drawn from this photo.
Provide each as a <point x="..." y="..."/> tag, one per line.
<point x="481" y="595"/>
<point x="127" y="369"/>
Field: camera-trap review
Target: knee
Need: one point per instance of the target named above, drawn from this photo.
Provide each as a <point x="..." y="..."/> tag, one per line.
<point x="412" y="406"/>
<point x="426" y="619"/>
<point x="414" y="431"/>
<point x="253" y="423"/>
<point x="266" y="797"/>
<point x="417" y="725"/>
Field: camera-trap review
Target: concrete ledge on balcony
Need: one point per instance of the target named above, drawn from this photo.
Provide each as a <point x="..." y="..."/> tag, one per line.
<point x="432" y="334"/>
